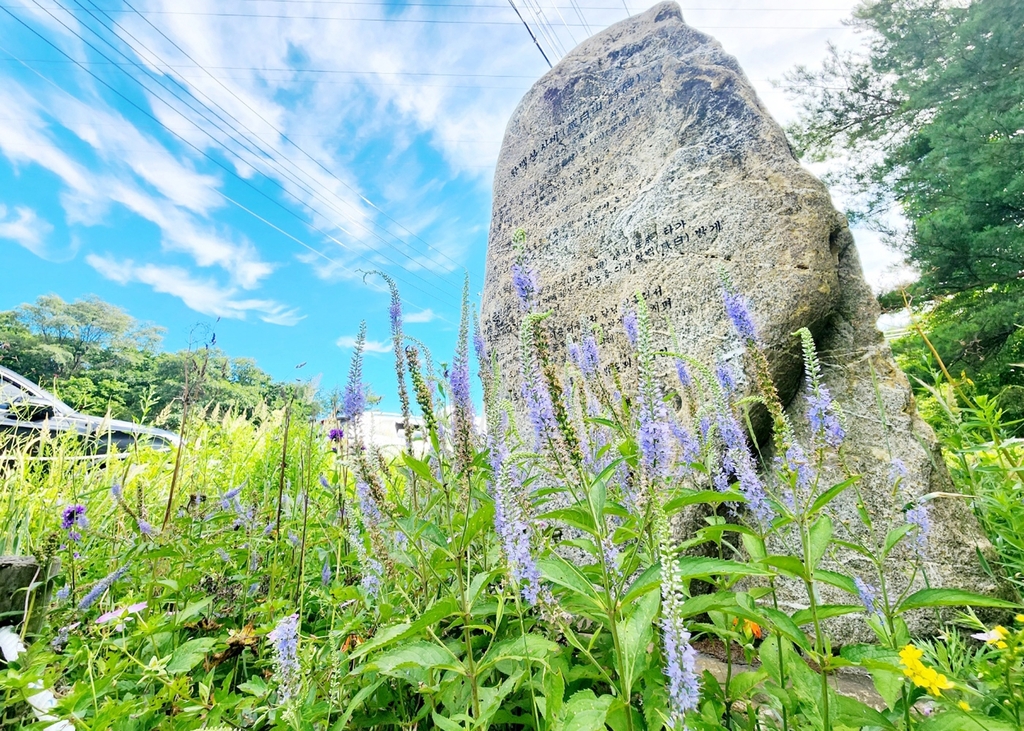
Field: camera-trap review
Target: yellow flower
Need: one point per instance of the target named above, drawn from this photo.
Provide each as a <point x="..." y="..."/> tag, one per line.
<point x="920" y="674"/>
<point x="964" y="706"/>
<point x="910" y="655"/>
<point x="1019" y="618"/>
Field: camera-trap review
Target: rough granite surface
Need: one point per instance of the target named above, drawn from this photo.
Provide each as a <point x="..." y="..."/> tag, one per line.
<point x="644" y="162"/>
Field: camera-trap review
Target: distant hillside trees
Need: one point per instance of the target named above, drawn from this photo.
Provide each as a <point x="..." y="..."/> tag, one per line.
<point x="97" y="357"/>
<point x="931" y="121"/>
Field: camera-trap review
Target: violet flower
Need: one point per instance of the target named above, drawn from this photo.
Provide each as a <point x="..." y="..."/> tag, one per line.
<point x="917" y="516"/>
<point x="738" y="309"/>
<point x="821" y="415"/>
<point x="100" y="587"/>
<point x="526" y="285"/>
<point x="630" y="324"/>
<point x="285" y="643"/>
<point x="868" y="596"/>
<point x="510" y="522"/>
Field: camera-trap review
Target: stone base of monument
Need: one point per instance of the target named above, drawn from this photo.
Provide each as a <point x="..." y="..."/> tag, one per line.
<point x="18" y="575"/>
<point x="883" y="425"/>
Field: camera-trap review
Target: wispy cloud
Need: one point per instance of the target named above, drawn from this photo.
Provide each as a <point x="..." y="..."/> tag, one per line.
<point x="25" y="227"/>
<point x="423" y="316"/>
<point x="202" y="295"/>
<point x="370" y="346"/>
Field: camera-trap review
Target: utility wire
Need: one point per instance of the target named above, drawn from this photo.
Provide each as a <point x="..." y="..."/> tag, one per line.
<point x="532" y="36"/>
<point x="229" y="199"/>
<point x="437" y="21"/>
<point x="260" y="155"/>
<point x="212" y="159"/>
<point x="285" y="137"/>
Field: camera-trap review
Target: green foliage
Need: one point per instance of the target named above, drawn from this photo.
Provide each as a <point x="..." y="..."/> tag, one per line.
<point x="308" y="580"/>
<point x="932" y="120"/>
<point x="96" y="357"/>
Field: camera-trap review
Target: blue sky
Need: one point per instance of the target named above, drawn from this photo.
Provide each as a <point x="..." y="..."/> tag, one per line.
<point x="249" y="160"/>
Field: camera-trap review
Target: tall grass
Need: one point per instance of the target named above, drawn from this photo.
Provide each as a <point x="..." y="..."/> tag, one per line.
<point x="553" y="572"/>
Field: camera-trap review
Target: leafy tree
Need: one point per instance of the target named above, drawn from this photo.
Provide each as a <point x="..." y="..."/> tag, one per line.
<point x="98" y="358"/>
<point x="931" y="120"/>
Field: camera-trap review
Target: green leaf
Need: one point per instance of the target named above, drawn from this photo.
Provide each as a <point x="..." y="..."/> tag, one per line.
<point x="820" y="536"/>
<point x="956" y="720"/>
<point x="649" y="580"/>
<point x="697" y="567"/>
<point x="893" y="537"/>
<point x="586" y="712"/>
<point x="189" y="654"/>
<point x="883" y="664"/>
<point x="754" y="546"/>
<point x="562" y="573"/>
<point x="414" y="656"/>
<point x="438" y="612"/>
<point x="525" y="648"/>
<point x="635" y="634"/>
<point x="789" y="565"/>
<point x="357" y="700"/>
<point x="831" y="494"/>
<point x="951" y="598"/>
<point x="554" y="692"/>
<point x="705" y="603"/>
<point x="697" y="497"/>
<point x="851" y="712"/>
<point x="785" y="625"/>
<point x="840" y="581"/>
<point x="445" y="724"/>
<point x="420" y="467"/>
<point x="825" y="611"/>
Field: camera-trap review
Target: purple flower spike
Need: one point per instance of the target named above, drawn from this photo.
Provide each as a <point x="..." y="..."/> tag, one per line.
<point x="917" y="516"/>
<point x="868" y="596"/>
<point x="682" y="373"/>
<point x="680" y="669"/>
<point x="525" y="283"/>
<point x="738" y="310"/>
<point x="285" y="641"/>
<point x="822" y="416"/>
<point x="631" y="325"/>
<point x="73" y="515"/>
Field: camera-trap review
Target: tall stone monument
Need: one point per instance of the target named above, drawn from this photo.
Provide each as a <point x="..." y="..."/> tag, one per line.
<point x="644" y="161"/>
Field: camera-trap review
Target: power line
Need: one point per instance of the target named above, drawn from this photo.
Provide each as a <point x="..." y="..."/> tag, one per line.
<point x="293" y="144"/>
<point x="437" y="21"/>
<point x="197" y="149"/>
<point x="532" y="36"/>
<point x="301" y="70"/>
<point x="264" y="153"/>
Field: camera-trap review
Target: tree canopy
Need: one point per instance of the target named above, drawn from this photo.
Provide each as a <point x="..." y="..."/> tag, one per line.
<point x="931" y="121"/>
<point x="97" y="357"/>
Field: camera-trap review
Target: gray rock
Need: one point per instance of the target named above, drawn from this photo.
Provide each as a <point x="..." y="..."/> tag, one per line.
<point x="17" y="574"/>
<point x="644" y="161"/>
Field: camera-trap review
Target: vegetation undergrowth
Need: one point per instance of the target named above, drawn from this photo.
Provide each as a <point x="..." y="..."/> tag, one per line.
<point x="554" y="570"/>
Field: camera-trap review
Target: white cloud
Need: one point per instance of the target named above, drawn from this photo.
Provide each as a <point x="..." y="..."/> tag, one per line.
<point x="183" y="197"/>
<point x="24" y="227"/>
<point x="423" y="316"/>
<point x="370" y="346"/>
<point x="202" y="295"/>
